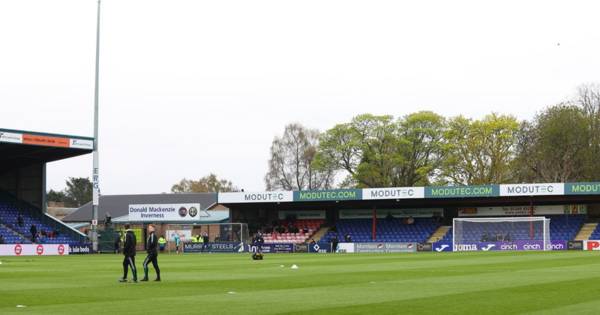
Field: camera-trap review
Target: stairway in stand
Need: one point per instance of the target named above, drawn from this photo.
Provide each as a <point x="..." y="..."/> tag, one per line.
<point x="586" y="231"/>
<point x="438" y="234"/>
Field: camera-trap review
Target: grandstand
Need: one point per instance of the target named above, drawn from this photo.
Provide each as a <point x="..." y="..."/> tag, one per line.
<point x="387" y="230"/>
<point x="379" y="215"/>
<point x="23" y="159"/>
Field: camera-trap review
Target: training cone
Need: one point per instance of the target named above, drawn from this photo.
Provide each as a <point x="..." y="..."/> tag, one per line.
<point x="294" y="267"/>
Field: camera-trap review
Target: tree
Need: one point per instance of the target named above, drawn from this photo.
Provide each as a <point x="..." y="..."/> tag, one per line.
<point x="79" y="190"/>
<point x="554" y="147"/>
<point x="364" y="148"/>
<point x="377" y="151"/>
<point x="421" y="143"/>
<point x="291" y="164"/>
<point x="77" y="193"/>
<point x="588" y="99"/>
<point x="208" y="183"/>
<point x="56" y="196"/>
<point x="480" y="151"/>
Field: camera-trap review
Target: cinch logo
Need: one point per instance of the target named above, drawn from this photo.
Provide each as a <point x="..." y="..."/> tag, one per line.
<point x="508" y="247"/>
<point x="488" y="247"/>
<point x="532" y="247"/>
<point x="556" y="246"/>
<point x="441" y="248"/>
<point x="465" y="247"/>
<point x="592" y="245"/>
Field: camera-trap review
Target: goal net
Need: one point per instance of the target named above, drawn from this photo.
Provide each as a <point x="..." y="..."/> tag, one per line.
<point x="509" y="233"/>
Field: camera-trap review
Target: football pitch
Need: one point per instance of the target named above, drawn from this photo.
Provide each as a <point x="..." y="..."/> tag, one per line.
<point x="565" y="282"/>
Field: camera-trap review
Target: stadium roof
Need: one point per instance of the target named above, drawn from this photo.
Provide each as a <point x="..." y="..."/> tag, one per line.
<point x="118" y="205"/>
<point x="19" y="148"/>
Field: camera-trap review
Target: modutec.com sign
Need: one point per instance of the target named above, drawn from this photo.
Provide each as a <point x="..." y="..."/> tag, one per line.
<point x="165" y="212"/>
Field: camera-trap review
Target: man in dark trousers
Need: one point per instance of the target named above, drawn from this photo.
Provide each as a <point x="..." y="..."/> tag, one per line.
<point x="129" y="253"/>
<point x="33" y="231"/>
<point x="151" y="249"/>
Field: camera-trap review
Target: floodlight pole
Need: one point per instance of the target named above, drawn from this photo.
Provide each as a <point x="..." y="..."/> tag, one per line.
<point x="95" y="172"/>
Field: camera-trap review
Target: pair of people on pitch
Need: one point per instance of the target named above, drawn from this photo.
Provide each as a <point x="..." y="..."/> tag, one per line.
<point x="129" y="253"/>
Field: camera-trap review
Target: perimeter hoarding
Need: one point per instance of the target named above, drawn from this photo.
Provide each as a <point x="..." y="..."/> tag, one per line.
<point x="46" y="140"/>
<point x="256" y="197"/>
<point x="180" y="212"/>
<point x="395" y="192"/>
<point x="591" y="188"/>
<point x="328" y="195"/>
<point x="429" y="192"/>
<point x="34" y="250"/>
<point x="521" y="245"/>
<point x="532" y="189"/>
<point x="462" y="191"/>
<point x="385" y="247"/>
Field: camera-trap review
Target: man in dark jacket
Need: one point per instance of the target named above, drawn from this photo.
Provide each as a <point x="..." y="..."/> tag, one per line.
<point x="129" y="253"/>
<point x="33" y="231"/>
<point x="151" y="249"/>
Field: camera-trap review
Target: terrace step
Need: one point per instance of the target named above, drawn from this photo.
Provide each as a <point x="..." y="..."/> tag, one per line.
<point x="586" y="231"/>
<point x="438" y="234"/>
<point x="320" y="233"/>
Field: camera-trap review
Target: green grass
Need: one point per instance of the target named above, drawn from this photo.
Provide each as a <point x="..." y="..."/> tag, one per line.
<point x="565" y="282"/>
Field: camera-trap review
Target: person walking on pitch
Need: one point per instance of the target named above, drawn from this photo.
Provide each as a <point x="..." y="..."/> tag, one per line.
<point x="129" y="253"/>
<point x="151" y="249"/>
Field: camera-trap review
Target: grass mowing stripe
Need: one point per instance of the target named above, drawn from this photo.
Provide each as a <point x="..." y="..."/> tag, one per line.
<point x="199" y="283"/>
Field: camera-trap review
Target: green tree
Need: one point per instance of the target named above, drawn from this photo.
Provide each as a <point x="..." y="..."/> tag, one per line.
<point x="421" y="148"/>
<point x="480" y="151"/>
<point x="79" y="191"/>
<point x="554" y="147"/>
<point x="588" y="99"/>
<point x="364" y="148"/>
<point x="291" y="164"/>
<point x="378" y="151"/>
<point x="209" y="183"/>
<point x="56" y="196"/>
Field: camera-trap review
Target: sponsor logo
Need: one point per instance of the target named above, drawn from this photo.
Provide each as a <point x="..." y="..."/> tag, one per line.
<point x="583" y="188"/>
<point x="39" y="249"/>
<point x="508" y="247"/>
<point x="11" y="137"/>
<point x="424" y="247"/>
<point x="531" y="189"/>
<point x="465" y="247"/>
<point x="532" y="247"/>
<point x="182" y="212"/>
<point x="488" y="247"/>
<point x="61" y="249"/>
<point x="18" y="249"/>
<point x="464" y="191"/>
<point x="592" y="245"/>
<point x="193" y="212"/>
<point x="82" y="144"/>
<point x="574" y="245"/>
<point x="556" y="246"/>
<point x="441" y="248"/>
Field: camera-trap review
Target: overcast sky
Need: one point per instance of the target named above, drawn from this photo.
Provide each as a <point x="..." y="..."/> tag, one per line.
<point x="193" y="87"/>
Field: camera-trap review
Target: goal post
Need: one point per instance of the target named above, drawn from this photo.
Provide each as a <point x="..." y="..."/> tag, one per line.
<point x="501" y="233"/>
